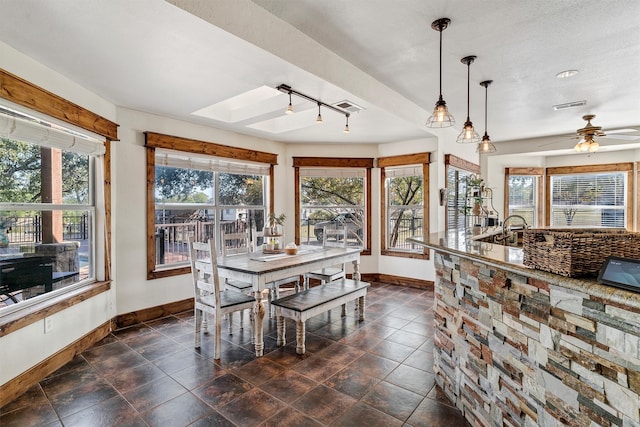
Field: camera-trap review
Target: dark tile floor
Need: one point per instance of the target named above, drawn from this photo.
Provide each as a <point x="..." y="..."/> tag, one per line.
<point x="375" y="373"/>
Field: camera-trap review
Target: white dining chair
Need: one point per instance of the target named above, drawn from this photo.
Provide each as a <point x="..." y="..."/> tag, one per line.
<point x="331" y="238"/>
<point x="209" y="299"/>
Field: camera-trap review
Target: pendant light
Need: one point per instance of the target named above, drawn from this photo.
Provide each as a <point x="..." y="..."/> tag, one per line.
<point x="486" y="146"/>
<point x="468" y="133"/>
<point x="319" y="118"/>
<point x="290" y="107"/>
<point x="441" y="118"/>
<point x="346" y="128"/>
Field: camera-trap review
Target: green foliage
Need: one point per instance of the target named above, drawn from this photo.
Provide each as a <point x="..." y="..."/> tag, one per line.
<point x="20" y="165"/>
<point x="182" y="185"/>
<point x="327" y="191"/>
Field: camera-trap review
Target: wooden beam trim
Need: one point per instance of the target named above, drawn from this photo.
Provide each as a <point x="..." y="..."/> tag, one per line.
<point x="611" y="167"/>
<point x="158" y="140"/>
<point x="333" y="162"/>
<point x="524" y="171"/>
<point x="22" y="92"/>
<point x="457" y="162"/>
<point x="404" y="159"/>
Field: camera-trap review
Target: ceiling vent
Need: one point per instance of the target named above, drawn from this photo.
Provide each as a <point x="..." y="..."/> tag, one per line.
<point x="569" y="105"/>
<point x="348" y="106"/>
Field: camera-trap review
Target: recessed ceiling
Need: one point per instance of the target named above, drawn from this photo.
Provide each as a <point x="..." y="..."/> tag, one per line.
<point x="218" y="63"/>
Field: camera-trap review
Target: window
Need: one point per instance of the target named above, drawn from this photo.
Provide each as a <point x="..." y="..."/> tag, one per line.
<point x="523" y="193"/>
<point x="457" y="172"/>
<point x="197" y="189"/>
<point x="333" y="192"/>
<point x="47" y="208"/>
<point x="404" y="181"/>
<point x="187" y="203"/>
<point x="590" y="196"/>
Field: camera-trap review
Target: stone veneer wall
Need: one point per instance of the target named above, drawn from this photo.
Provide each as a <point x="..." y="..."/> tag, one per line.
<point x="512" y="350"/>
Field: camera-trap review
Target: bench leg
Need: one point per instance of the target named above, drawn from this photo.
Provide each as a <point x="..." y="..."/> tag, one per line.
<point x="282" y="341"/>
<point x="361" y="308"/>
<point x="300" y="330"/>
<point x="344" y="310"/>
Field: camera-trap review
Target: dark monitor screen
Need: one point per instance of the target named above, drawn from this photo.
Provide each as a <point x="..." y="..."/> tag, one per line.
<point x="621" y="272"/>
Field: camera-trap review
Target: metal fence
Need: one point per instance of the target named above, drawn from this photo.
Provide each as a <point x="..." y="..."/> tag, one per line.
<point x="28" y="229"/>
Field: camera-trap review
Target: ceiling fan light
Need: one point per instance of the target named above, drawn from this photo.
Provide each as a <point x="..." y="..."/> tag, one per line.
<point x="593" y="147"/>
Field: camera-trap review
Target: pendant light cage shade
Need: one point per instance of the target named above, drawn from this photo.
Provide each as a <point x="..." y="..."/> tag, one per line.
<point x="486" y="146"/>
<point x="441" y="118"/>
<point x="468" y="134"/>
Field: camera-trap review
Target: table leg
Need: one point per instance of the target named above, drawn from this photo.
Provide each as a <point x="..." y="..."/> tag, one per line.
<point x="258" y="316"/>
<point x="356" y="269"/>
<point x="282" y="340"/>
<point x="300" y="329"/>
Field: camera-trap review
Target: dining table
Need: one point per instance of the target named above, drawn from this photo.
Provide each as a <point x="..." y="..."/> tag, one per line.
<point x="260" y="268"/>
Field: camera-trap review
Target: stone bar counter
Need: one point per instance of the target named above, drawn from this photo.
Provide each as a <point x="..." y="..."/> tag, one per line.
<point x="516" y="346"/>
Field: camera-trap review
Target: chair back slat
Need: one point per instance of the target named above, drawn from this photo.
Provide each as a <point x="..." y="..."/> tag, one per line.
<point x="235" y="243"/>
<point x="204" y="270"/>
<point x="334" y="237"/>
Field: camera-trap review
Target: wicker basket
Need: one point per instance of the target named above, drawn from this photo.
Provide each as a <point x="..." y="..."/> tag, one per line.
<point x="577" y="252"/>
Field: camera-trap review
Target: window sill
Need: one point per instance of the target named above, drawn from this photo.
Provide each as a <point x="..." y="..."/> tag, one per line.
<point x="21" y="318"/>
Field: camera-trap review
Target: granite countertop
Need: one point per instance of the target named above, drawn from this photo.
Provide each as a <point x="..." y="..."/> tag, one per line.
<point x="510" y="259"/>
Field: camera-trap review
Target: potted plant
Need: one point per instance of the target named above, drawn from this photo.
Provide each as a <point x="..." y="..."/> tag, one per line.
<point x="275" y="223"/>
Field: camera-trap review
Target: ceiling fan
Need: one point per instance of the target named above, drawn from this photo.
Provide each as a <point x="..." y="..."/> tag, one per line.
<point x="587" y="136"/>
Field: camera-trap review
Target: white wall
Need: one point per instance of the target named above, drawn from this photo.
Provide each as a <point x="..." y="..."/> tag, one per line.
<point x="493" y="171"/>
<point x="134" y="291"/>
<point x="25" y="348"/>
<point x="131" y="290"/>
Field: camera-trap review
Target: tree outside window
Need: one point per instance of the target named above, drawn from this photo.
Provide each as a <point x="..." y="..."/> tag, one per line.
<point x="195" y="196"/>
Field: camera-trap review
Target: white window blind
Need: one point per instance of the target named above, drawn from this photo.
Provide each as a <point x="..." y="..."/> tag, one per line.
<point x="523" y="194"/>
<point x="394" y="172"/>
<point x="589" y="200"/>
<point x="332" y="172"/>
<point x="47" y="135"/>
<point x="456" y="179"/>
<point x="207" y="163"/>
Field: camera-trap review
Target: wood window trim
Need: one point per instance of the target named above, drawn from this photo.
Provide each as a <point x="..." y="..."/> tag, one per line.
<point x="335" y="162"/>
<point x="527" y="171"/>
<point x="27" y="94"/>
<point x="403" y="160"/>
<point x="457" y="162"/>
<point x="22" y="318"/>
<point x="608" y="167"/>
<point x="156" y="140"/>
<point x="22" y="92"/>
<point x="454" y="161"/>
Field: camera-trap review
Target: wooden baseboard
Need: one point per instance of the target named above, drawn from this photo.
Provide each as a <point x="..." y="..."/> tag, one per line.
<point x="23" y="382"/>
<point x="152" y="313"/>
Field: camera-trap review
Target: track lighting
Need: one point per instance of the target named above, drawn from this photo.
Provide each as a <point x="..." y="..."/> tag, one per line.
<point x="290" y="107"/>
<point x="468" y="133"/>
<point x="288" y="90"/>
<point x="441" y="118"/>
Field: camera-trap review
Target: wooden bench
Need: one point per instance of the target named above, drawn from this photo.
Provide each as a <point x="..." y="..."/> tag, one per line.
<point x="303" y="305"/>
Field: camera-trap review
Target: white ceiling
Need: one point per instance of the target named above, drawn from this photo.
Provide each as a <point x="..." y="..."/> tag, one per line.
<point x="177" y="57"/>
